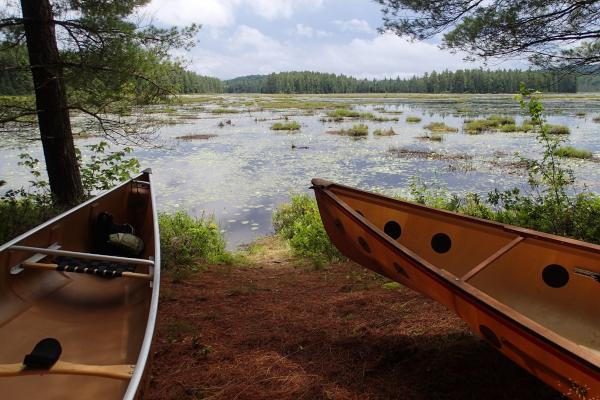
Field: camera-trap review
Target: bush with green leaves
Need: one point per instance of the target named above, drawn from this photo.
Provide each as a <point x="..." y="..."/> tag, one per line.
<point x="21" y="209"/>
<point x="299" y="222"/>
<point x="188" y="243"/>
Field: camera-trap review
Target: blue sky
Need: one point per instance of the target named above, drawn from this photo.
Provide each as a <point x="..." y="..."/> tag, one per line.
<point x="245" y="37"/>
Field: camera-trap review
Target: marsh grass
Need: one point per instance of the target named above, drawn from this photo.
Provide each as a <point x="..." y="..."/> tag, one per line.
<point x="226" y="111"/>
<point x="431" y="137"/>
<point x="596" y="119"/>
<point x="440" y="127"/>
<point x="286" y="126"/>
<point x="384" y="132"/>
<point x="572" y="152"/>
<point x="556" y="129"/>
<point x="358" y="130"/>
<point x="489" y="124"/>
<point x="413" y="120"/>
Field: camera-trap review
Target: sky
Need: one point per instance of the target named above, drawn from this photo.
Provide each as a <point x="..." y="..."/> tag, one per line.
<point x="247" y="37"/>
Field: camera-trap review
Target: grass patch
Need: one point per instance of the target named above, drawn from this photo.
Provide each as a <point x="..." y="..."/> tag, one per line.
<point x="341" y="113"/>
<point x="299" y="223"/>
<point x="286" y="126"/>
<point x="358" y="130"/>
<point x="188" y="243"/>
<point x="344" y="113"/>
<point x="596" y="119"/>
<point x="572" y="152"/>
<point x="489" y="124"/>
<point x="434" y="137"/>
<point x="440" y="127"/>
<point x="384" y="132"/>
<point x="580" y="114"/>
<point x="196" y="137"/>
<point x="556" y="129"/>
<point x="413" y="119"/>
<point x="225" y="111"/>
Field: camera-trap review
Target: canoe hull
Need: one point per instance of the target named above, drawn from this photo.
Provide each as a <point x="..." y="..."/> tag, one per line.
<point x="97" y="321"/>
<point x="521" y="340"/>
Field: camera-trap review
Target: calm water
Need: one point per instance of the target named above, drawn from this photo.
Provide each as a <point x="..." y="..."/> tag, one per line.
<point x="244" y="172"/>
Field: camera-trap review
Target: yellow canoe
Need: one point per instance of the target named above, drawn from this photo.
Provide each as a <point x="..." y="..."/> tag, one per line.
<point x="533" y="296"/>
<point x="92" y="334"/>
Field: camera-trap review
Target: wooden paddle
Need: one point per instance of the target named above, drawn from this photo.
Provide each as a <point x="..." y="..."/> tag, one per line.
<point x="123" y="372"/>
<point x="86" y="270"/>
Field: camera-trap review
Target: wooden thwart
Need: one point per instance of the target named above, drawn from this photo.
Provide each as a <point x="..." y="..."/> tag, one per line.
<point x="123" y="371"/>
<point x="481" y="266"/>
<point x="84" y="270"/>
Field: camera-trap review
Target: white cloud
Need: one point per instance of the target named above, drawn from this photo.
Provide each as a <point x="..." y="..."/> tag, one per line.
<point x="219" y="13"/>
<point x="211" y="13"/>
<point x="310" y="32"/>
<point x="249" y="51"/>
<point x="271" y="9"/>
<point x="354" y="25"/>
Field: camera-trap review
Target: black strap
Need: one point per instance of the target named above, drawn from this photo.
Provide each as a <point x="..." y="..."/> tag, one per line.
<point x="104" y="272"/>
<point x="44" y="355"/>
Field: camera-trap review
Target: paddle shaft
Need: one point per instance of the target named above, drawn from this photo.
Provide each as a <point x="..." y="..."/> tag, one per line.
<point x="123" y="372"/>
<point x="55" y="267"/>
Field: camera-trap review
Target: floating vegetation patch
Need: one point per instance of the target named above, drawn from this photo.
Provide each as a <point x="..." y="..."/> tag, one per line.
<point x="413" y="119"/>
<point x="358" y="130"/>
<point x="489" y="124"/>
<point x="440" y="127"/>
<point x="428" y="154"/>
<point x="384" y="132"/>
<point x="572" y="152"/>
<point x="556" y="129"/>
<point x="596" y="119"/>
<point x="433" y="137"/>
<point x="196" y="137"/>
<point x="301" y="104"/>
<point x="580" y="114"/>
<point x="225" y="111"/>
<point x="340" y="114"/>
<point x="286" y="126"/>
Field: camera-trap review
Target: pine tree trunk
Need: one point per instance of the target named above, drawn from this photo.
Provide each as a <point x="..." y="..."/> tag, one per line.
<point x="51" y="102"/>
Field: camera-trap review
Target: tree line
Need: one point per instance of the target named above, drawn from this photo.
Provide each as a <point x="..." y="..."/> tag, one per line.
<point x="460" y="81"/>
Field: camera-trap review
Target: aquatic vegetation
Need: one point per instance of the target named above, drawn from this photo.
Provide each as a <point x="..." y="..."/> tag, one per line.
<point x="413" y="119"/>
<point x="596" y="119"/>
<point x="433" y="137"/>
<point x="197" y="136"/>
<point x="345" y="113"/>
<point x="379" y="118"/>
<point x="384" y="132"/>
<point x="300" y="104"/>
<point x="356" y="130"/>
<point x="440" y="127"/>
<point x="491" y="123"/>
<point x="225" y="111"/>
<point x="299" y="223"/>
<point x="556" y="129"/>
<point x="286" y="126"/>
<point x="580" y="114"/>
<point x="187" y="243"/>
<point x="572" y="152"/>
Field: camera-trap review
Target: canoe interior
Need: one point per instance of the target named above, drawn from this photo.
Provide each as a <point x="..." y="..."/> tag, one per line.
<point x="97" y="321"/>
<point x="535" y="276"/>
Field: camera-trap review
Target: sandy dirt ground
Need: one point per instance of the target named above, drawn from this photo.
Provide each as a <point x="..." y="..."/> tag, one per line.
<point x="276" y="329"/>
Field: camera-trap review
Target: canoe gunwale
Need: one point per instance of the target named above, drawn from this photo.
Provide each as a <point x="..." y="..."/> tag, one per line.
<point x="554" y="343"/>
<point x="142" y="361"/>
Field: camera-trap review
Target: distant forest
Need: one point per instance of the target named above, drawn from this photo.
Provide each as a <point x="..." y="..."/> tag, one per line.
<point x="18" y="82"/>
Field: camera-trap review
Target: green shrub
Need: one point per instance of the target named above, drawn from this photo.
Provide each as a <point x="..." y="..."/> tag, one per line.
<point x="20" y="215"/>
<point x="384" y="132"/>
<point x="413" y="119"/>
<point x="556" y="129"/>
<point x="188" y="243"/>
<point x="299" y="222"/>
<point x="439" y="127"/>
<point x="286" y="126"/>
<point x="572" y="152"/>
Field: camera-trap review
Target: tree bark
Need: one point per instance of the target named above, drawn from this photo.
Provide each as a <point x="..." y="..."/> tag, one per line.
<point x="51" y="102"/>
